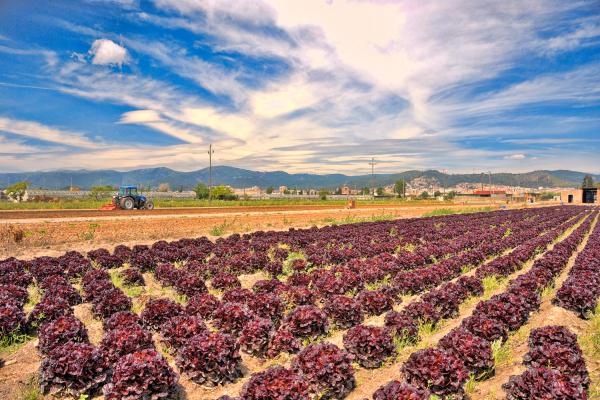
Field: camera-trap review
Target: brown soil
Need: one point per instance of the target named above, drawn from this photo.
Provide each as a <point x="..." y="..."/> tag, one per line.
<point x="90" y="213"/>
<point x="28" y="238"/>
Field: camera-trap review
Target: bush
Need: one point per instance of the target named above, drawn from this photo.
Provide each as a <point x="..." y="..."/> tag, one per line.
<point x="121" y="319"/>
<point x="132" y="277"/>
<point x="177" y="330"/>
<point x="299" y="296"/>
<point x="47" y="310"/>
<point x="267" y="305"/>
<point x="189" y="285"/>
<point x="125" y="340"/>
<point x="12" y="319"/>
<point x="167" y="274"/>
<point x="211" y="359"/>
<point x="73" y="369"/>
<point x="402" y="326"/>
<point x="276" y="383"/>
<point x="96" y="288"/>
<point x="268" y="286"/>
<point x="66" y="292"/>
<point x="284" y="341"/>
<point x="370" y="345"/>
<point x="345" y="311"/>
<point x="395" y="390"/>
<point x="552" y="334"/>
<point x="441" y="373"/>
<point x="564" y="359"/>
<point x="60" y="331"/>
<point x="542" y="383"/>
<point x="256" y="336"/>
<point x="237" y="295"/>
<point x="486" y="328"/>
<point x="327" y="369"/>
<point x="422" y="312"/>
<point x="13" y="293"/>
<point x="110" y="302"/>
<point x="224" y="281"/>
<point x="473" y="285"/>
<point x="231" y="317"/>
<point x="473" y="351"/>
<point x="202" y="305"/>
<point x="307" y="321"/>
<point x="159" y="311"/>
<point x="141" y="375"/>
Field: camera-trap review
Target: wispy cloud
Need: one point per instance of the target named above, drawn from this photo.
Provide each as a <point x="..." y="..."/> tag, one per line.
<point x="37" y="131"/>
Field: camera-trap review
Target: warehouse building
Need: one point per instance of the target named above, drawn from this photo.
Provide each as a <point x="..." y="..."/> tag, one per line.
<point x="580" y="196"/>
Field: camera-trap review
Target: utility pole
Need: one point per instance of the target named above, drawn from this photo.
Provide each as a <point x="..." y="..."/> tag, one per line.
<point x="210" y="153"/>
<point x="372" y="164"/>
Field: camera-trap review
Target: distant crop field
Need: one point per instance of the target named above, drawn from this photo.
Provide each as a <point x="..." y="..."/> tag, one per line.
<point x="164" y="203"/>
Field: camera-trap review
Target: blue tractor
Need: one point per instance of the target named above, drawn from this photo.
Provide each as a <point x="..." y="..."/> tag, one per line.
<point x="128" y="198"/>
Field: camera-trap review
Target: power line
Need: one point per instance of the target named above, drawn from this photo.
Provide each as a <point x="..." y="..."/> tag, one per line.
<point x="210" y="153"/>
<point x="372" y="164"/>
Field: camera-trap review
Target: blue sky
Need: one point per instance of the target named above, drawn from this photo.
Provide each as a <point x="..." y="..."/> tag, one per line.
<point x="300" y="86"/>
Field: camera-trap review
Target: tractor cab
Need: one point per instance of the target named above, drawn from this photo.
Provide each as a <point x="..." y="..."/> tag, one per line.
<point x="128" y="198"/>
<point x="125" y="191"/>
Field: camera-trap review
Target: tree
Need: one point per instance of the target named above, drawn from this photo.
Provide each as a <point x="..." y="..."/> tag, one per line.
<point x="17" y="191"/>
<point x="424" y="195"/>
<point x="101" y="191"/>
<point x="222" y="192"/>
<point x="366" y="190"/>
<point x="379" y="191"/>
<point x="164" y="187"/>
<point x="400" y="188"/>
<point x="588" y="182"/>
<point x="270" y="190"/>
<point x="437" y="193"/>
<point x="450" y="195"/>
<point x="323" y="194"/>
<point x="201" y="191"/>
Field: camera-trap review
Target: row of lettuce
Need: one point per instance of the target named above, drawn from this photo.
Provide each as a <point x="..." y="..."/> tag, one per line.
<point x="345" y="274"/>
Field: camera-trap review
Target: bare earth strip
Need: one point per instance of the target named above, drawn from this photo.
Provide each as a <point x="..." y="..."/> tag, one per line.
<point x="28" y="238"/>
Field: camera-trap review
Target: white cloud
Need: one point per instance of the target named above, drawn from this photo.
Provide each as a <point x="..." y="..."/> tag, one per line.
<point x="519" y="156"/>
<point x="140" y="117"/>
<point x="35" y="130"/>
<point x="107" y="52"/>
<point x="348" y="62"/>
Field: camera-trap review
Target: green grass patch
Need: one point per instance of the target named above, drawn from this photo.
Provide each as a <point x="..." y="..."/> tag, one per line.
<point x="451" y="211"/>
<point x="590" y="345"/>
<point x="91" y="203"/>
<point x="30" y="390"/>
<point x="117" y="280"/>
<point x="500" y="352"/>
<point x="13" y="341"/>
<point x="490" y="285"/>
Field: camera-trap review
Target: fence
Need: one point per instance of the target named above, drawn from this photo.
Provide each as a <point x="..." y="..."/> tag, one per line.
<point x="86" y="194"/>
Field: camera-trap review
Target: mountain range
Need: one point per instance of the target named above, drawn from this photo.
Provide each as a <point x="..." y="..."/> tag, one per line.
<point x="237" y="177"/>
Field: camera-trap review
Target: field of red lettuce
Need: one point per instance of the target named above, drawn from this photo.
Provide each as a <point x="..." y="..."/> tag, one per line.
<point x="326" y="306"/>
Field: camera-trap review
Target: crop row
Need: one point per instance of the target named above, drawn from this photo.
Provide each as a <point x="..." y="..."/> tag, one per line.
<point x="337" y="266"/>
<point x="580" y="292"/>
<point x="467" y="350"/>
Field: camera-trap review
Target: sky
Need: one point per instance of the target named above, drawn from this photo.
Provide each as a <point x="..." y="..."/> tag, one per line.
<point x="301" y="86"/>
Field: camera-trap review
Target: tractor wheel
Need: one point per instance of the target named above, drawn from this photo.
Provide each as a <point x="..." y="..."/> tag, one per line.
<point x="149" y="205"/>
<point x="127" y="203"/>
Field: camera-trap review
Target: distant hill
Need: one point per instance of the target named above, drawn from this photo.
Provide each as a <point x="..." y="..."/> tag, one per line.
<point x="237" y="177"/>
